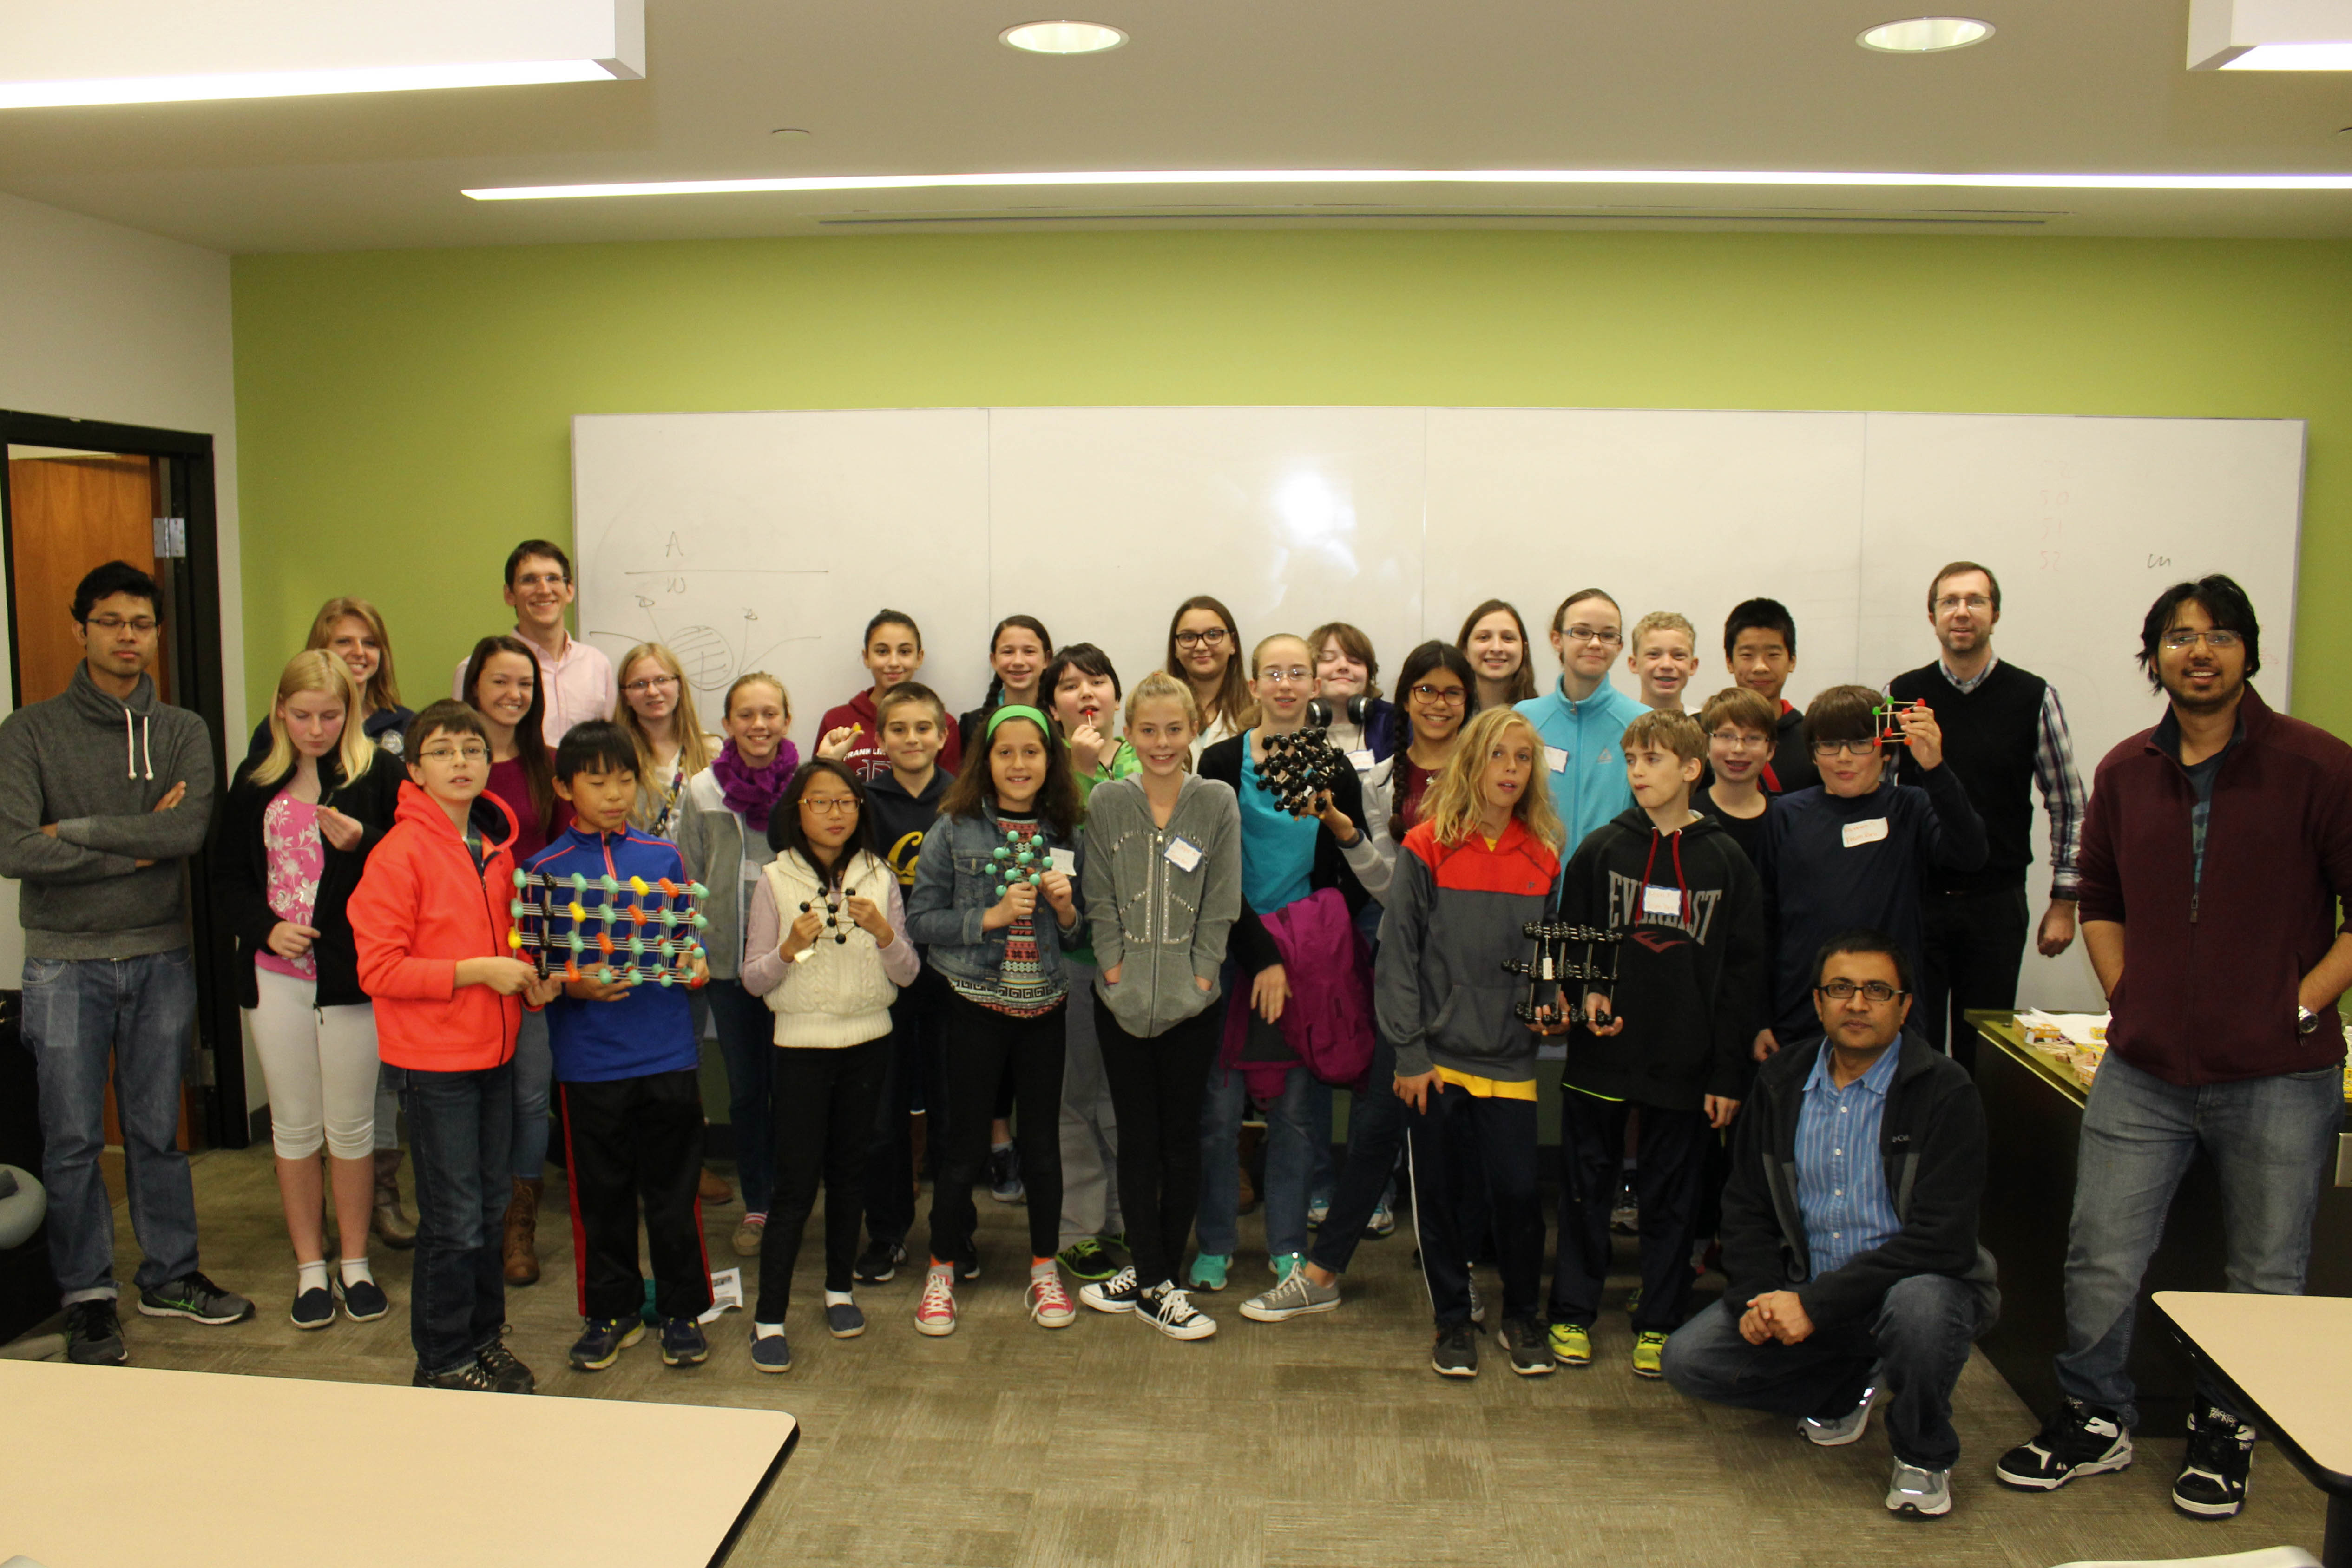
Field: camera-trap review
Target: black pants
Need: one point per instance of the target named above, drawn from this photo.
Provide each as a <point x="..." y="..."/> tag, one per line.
<point x="824" y="1128"/>
<point x="1972" y="945"/>
<point x="627" y="1142"/>
<point x="1671" y="1164"/>
<point x="1376" y="1124"/>
<point x="1156" y="1089"/>
<point x="1499" y="1136"/>
<point x="918" y="1022"/>
<point x="981" y="1042"/>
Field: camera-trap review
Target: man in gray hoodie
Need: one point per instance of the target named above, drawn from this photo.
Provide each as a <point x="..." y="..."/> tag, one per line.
<point x="104" y="792"/>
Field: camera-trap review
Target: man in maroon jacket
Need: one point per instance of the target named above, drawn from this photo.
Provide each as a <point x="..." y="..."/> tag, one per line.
<point x="2217" y="848"/>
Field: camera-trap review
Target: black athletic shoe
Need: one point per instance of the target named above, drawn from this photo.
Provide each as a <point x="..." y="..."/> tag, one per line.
<point x="2076" y="1440"/>
<point x="879" y="1264"/>
<point x="2213" y="1483"/>
<point x="94" y="1335"/>
<point x="507" y="1374"/>
<point x="1455" y="1353"/>
<point x="195" y="1298"/>
<point x="1003" y="1172"/>
<point x="473" y="1377"/>
<point x="1529" y="1344"/>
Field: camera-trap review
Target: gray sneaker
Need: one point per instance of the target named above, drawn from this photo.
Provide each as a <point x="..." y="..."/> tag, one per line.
<point x="1846" y="1428"/>
<point x="195" y="1297"/>
<point x="1295" y="1296"/>
<point x="1919" y="1494"/>
<point x="93" y="1333"/>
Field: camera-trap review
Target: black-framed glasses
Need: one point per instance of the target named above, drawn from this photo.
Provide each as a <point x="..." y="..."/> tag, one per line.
<point x="1878" y="993"/>
<point x="1608" y="637"/>
<point x="1215" y="637"/>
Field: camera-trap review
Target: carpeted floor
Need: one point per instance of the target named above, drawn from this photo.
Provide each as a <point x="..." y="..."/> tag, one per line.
<point x="1321" y="1441"/>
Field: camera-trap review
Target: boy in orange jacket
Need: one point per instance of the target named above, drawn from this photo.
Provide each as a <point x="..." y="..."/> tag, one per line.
<point x="430" y="918"/>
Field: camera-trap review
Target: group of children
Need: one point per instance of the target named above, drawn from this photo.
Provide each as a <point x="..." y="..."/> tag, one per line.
<point x="905" y="920"/>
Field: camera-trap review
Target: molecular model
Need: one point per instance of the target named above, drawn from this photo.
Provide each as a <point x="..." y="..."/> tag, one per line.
<point x="1889" y="715"/>
<point x="1021" y="857"/>
<point x="1569" y="961"/>
<point x="1295" y="768"/>
<point x="641" y="932"/>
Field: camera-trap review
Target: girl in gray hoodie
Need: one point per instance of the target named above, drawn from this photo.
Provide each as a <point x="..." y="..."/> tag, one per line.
<point x="1161" y="884"/>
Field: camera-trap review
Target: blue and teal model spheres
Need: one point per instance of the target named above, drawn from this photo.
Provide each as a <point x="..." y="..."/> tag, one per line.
<point x="1021" y="857"/>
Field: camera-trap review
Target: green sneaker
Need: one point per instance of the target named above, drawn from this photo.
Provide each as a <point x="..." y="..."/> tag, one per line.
<point x="1088" y="1258"/>
<point x="1649" y="1354"/>
<point x="1634" y="1301"/>
<point x="1285" y="1265"/>
<point x="1571" y="1344"/>
<point x="1208" y="1272"/>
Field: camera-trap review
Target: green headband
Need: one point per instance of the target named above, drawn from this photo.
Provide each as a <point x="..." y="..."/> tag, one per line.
<point x="1019" y="710"/>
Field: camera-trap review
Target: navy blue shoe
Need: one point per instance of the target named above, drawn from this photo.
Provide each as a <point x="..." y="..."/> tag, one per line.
<point x="770" y="1353"/>
<point x="682" y="1343"/>
<point x="602" y="1342"/>
<point x="364" y="1300"/>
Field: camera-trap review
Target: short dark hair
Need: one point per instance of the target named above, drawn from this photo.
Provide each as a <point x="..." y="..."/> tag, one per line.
<point x="1085" y="658"/>
<point x="1842" y="713"/>
<point x="106" y="581"/>
<point x="2223" y="601"/>
<point x="529" y="547"/>
<point x="784" y="835"/>
<point x="599" y="746"/>
<point x="907" y="691"/>
<point x="448" y="714"/>
<point x="1759" y="616"/>
<point x="1862" y="939"/>
<point x="1961" y="568"/>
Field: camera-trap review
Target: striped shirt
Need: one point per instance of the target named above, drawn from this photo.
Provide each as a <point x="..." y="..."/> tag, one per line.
<point x="2054" y="774"/>
<point x="1842" y="1193"/>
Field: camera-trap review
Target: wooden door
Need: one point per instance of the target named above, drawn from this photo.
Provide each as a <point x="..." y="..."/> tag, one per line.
<point x="69" y="513"/>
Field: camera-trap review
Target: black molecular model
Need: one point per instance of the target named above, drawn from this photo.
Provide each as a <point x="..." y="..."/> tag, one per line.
<point x="1569" y="962"/>
<point x="1295" y="768"/>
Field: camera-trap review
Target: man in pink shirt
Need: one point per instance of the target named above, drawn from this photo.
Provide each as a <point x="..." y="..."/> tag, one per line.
<point x="577" y="677"/>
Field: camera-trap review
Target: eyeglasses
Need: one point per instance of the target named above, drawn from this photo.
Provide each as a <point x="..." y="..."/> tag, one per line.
<point x="454" y="754"/>
<point x="1440" y="696"/>
<point x="1215" y="637"/>
<point x="650" y="683"/>
<point x="1963" y="601"/>
<point x="2177" y="640"/>
<point x="1825" y="749"/>
<point x="1608" y="637"/>
<point x="1735" y="740"/>
<point x="1878" y="993"/>
<point x="543" y="580"/>
<point x="1296" y="676"/>
<point x="141" y="624"/>
<point x="832" y="806"/>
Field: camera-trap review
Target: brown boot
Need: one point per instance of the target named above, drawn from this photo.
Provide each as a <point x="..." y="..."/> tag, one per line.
<point x="522" y="1249"/>
<point x="391" y="1227"/>
<point x="714" y="1189"/>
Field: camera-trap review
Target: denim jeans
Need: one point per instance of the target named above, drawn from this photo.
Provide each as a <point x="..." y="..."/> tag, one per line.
<point x="747" y="1043"/>
<point x="534" y="1088"/>
<point x="2269" y="1139"/>
<point x="1376" y="1133"/>
<point x="1914" y="1346"/>
<point x="460" y="1127"/>
<point x="1089" y="1126"/>
<point x="142" y="1011"/>
<point x="1289" y="1162"/>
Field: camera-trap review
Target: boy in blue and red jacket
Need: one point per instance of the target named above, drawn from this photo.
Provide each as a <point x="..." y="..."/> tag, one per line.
<point x="627" y="1062"/>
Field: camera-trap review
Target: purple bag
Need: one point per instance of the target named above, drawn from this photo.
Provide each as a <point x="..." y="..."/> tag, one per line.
<point x="1327" y="1021"/>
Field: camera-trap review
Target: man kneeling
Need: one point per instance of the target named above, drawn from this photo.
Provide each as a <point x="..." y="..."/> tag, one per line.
<point x="1850" y="1233"/>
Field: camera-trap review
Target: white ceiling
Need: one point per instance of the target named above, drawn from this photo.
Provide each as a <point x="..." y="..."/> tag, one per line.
<point x="922" y="85"/>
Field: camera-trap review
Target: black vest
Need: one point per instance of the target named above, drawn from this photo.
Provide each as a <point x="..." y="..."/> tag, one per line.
<point x="1990" y="735"/>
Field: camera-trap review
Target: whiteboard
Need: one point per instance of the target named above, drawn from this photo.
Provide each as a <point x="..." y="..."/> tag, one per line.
<point x="766" y="540"/>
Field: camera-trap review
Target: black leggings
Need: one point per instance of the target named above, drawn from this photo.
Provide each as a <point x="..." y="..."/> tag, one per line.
<point x="1157" y="1086"/>
<point x="981" y="1042"/>
<point x="824" y="1101"/>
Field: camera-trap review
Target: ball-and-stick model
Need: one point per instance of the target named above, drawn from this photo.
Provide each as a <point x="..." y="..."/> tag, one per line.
<point x="637" y="932"/>
<point x="1297" y="768"/>
<point x="1021" y="857"/>
<point x="1569" y="962"/>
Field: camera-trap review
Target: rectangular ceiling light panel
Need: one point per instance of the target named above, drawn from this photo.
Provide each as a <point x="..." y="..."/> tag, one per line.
<point x="170" y="51"/>
<point x="2270" y="35"/>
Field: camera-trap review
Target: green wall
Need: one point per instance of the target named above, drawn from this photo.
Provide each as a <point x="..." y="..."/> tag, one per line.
<point x="403" y="416"/>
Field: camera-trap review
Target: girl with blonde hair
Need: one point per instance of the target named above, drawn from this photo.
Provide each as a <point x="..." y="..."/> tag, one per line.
<point x="656" y="707"/>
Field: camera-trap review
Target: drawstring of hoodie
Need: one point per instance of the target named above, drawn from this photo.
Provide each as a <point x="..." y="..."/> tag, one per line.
<point x="1681" y="887"/>
<point x="134" y="746"/>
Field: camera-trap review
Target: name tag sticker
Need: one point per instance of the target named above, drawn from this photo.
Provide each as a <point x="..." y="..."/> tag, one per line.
<point x="1858" y="833"/>
<point x="1556" y="759"/>
<point x="1183" y="854"/>
<point x="1064" y="860"/>
<point x="1666" y="903"/>
<point x="1361" y="761"/>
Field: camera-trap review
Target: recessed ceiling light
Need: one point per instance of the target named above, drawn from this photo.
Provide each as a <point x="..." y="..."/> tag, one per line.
<point x="1778" y="177"/>
<point x="1925" y="35"/>
<point x="1063" y="37"/>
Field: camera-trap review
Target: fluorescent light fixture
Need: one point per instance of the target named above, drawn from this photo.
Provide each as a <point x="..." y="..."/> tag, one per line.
<point x="1062" y="38"/>
<point x="1925" y="35"/>
<point x="169" y="51"/>
<point x="1843" y="178"/>
<point x="2270" y="35"/>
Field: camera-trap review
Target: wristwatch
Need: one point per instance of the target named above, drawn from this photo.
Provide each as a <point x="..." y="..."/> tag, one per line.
<point x="2306" y="1020"/>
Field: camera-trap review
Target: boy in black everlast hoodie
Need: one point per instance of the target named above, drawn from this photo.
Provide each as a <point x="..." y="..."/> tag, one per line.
<point x="1690" y="986"/>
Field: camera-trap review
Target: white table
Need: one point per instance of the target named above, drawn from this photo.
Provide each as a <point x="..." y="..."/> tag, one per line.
<point x="102" y="1466"/>
<point x="2287" y="1361"/>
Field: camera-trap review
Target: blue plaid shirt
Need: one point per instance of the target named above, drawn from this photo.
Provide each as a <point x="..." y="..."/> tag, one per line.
<point x="1841" y="1180"/>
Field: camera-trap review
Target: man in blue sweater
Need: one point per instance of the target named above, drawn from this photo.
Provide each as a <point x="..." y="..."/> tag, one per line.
<point x="1583" y="718"/>
<point x="1851" y="851"/>
<point x="627" y="1062"/>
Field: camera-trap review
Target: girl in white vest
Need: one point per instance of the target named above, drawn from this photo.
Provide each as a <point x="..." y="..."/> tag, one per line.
<point x="826" y="947"/>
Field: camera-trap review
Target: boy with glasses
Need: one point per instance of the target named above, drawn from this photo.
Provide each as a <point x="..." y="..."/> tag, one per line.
<point x="576" y="675"/>
<point x="1873" y="1144"/>
<point x="1739" y="728"/>
<point x="1852" y="851"/>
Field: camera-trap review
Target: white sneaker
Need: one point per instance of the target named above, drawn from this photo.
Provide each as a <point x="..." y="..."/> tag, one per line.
<point x="1922" y="1494"/>
<point x="1168" y="1310"/>
<point x="1049" y="1303"/>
